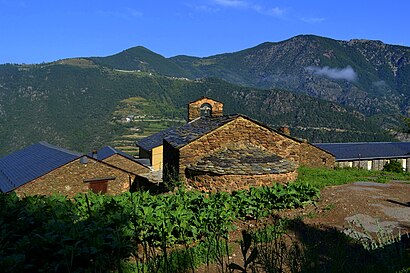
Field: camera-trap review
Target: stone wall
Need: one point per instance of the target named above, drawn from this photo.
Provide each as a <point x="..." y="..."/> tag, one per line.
<point x="240" y="130"/>
<point x="194" y="108"/>
<point x="214" y="183"/>
<point x="311" y="156"/>
<point x="69" y="179"/>
<point x="126" y="164"/>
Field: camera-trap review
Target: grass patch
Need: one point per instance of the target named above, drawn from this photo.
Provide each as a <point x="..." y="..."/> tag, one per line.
<point x="321" y="178"/>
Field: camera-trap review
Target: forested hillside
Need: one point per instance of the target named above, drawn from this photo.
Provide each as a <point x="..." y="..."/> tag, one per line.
<point x="77" y="104"/>
<point x="369" y="76"/>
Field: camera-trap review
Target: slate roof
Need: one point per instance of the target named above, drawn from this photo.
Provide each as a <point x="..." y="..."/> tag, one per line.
<point x="108" y="151"/>
<point x="152" y="141"/>
<point x="367" y="150"/>
<point x="243" y="160"/>
<point x="196" y="128"/>
<point x="30" y="163"/>
<point x="180" y="136"/>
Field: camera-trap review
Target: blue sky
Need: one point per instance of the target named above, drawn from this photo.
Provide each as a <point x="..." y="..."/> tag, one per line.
<point x="35" y="31"/>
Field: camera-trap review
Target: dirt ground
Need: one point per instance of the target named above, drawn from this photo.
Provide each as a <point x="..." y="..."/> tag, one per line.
<point x="366" y="205"/>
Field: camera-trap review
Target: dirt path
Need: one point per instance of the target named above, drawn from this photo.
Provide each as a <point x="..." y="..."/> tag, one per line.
<point x="367" y="205"/>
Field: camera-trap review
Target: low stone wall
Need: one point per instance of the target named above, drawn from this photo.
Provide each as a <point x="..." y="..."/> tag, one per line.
<point x="229" y="183"/>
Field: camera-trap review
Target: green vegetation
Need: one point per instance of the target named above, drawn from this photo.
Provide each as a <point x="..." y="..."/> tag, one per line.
<point x="321" y="178"/>
<point x="180" y="231"/>
<point x="393" y="166"/>
<point x="73" y="102"/>
<point x="140" y="118"/>
<point x="43" y="233"/>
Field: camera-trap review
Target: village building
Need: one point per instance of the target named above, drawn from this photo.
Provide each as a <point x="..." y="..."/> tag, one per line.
<point x="44" y="169"/>
<point x="215" y="152"/>
<point x="122" y="160"/>
<point x="368" y="155"/>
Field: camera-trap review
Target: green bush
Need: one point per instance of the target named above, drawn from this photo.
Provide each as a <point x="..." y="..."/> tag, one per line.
<point x="393" y="166"/>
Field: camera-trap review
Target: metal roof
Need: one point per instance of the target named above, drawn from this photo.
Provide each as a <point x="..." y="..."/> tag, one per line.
<point x="30" y="163"/>
<point x="366" y="150"/>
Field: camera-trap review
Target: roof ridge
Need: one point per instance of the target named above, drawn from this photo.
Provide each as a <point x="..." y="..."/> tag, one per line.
<point x="51" y="146"/>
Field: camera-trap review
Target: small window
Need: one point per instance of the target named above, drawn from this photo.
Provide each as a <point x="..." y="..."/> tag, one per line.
<point x="98" y="186"/>
<point x="206" y="110"/>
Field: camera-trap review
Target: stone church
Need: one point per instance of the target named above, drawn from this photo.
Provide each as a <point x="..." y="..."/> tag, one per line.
<point x="217" y="152"/>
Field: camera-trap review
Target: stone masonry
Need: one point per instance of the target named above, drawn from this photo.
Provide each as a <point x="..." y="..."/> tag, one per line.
<point x="214" y="183"/>
<point x="241" y="131"/>
<point x="311" y="156"/>
<point x="194" y="108"/>
<point x="69" y="179"/>
<point x="126" y="164"/>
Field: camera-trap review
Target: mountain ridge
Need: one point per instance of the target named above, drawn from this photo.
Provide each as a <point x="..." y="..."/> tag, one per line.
<point x="303" y="64"/>
<point x="340" y="91"/>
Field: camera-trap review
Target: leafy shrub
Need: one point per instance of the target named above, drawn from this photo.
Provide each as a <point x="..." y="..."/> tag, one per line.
<point x="393" y="166"/>
<point x="98" y="233"/>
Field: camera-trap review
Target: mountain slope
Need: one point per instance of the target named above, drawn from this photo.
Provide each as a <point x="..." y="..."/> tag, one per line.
<point x="141" y="58"/>
<point x="368" y="75"/>
<point x="74" y="103"/>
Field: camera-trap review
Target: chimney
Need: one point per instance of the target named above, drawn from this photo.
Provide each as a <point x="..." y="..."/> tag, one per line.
<point x="94" y="154"/>
<point x="285" y="130"/>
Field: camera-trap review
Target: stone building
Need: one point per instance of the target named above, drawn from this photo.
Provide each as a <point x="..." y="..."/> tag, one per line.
<point x="45" y="169"/>
<point x="229" y="152"/>
<point x="122" y="160"/>
<point x="368" y="155"/>
<point x="151" y="149"/>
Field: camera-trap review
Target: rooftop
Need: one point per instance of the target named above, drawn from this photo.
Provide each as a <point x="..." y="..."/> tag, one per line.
<point x="30" y="163"/>
<point x="108" y="151"/>
<point x="366" y="150"/>
<point x="180" y="136"/>
<point x="243" y="159"/>
<point x="152" y="141"/>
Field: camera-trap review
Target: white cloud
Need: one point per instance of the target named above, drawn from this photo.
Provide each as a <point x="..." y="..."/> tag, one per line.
<point x="346" y="73"/>
<point x="275" y="11"/>
<point x="133" y="12"/>
<point x="312" y="20"/>
<point x="231" y="3"/>
<point x="203" y="8"/>
<point x="126" y="13"/>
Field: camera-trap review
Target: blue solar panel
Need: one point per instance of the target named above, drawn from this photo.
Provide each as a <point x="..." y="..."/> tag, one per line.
<point x="367" y="150"/>
<point x="30" y="163"/>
